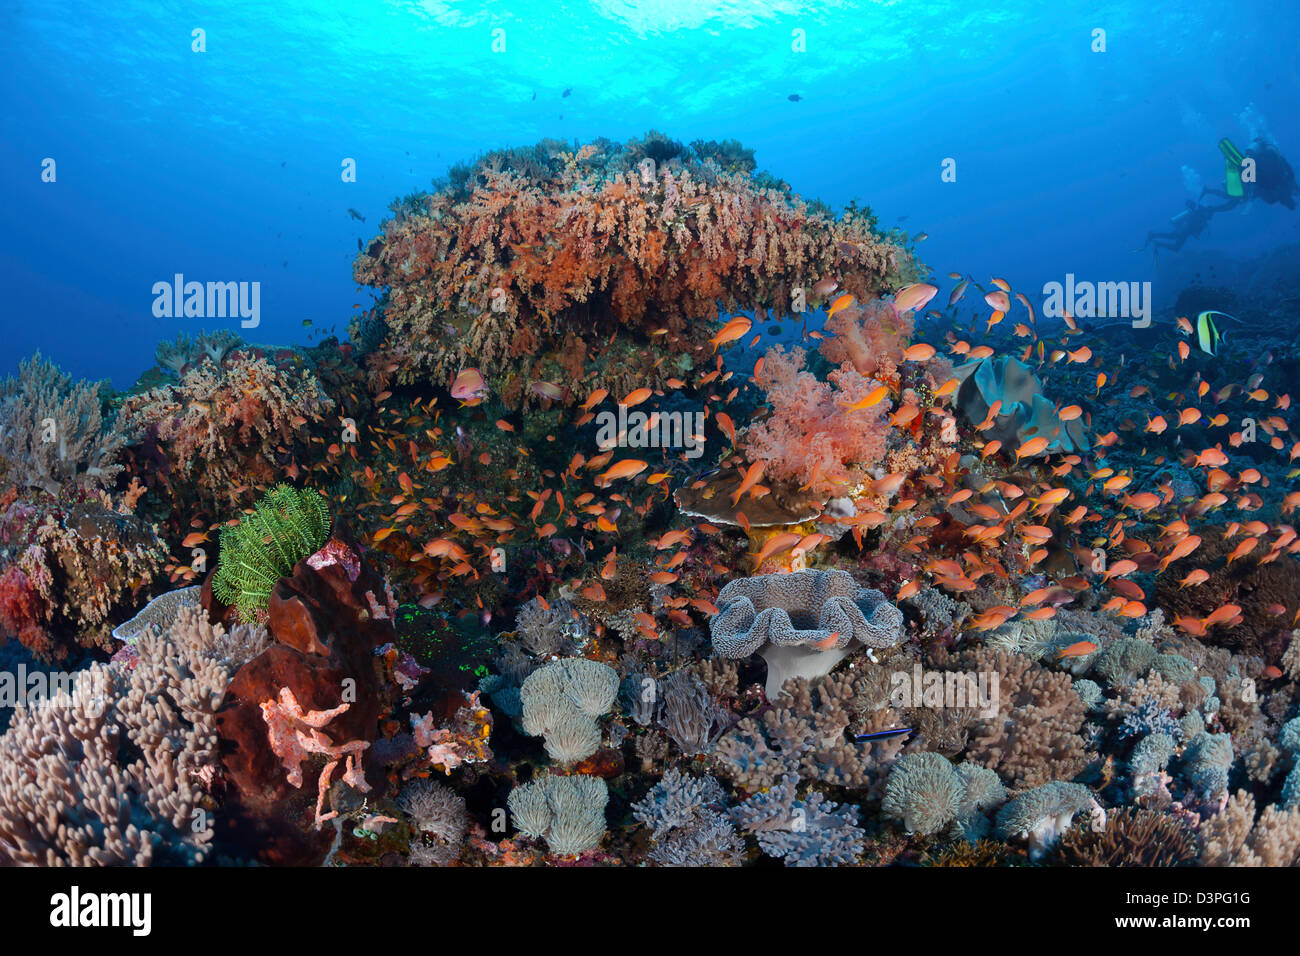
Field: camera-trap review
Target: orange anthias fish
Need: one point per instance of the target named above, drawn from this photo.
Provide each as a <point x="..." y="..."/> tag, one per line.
<point x="624" y="469"/>
<point x="1077" y="649"/>
<point x="914" y="296"/>
<point x="752" y="476"/>
<point x="733" y="330"/>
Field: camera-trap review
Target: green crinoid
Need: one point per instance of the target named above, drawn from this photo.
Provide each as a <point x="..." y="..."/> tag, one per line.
<point x="286" y="526"/>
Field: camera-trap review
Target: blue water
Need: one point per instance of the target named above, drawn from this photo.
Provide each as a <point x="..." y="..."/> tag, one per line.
<point x="225" y="164"/>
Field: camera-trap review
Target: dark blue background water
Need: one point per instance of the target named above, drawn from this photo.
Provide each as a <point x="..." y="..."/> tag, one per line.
<point x="225" y="165"/>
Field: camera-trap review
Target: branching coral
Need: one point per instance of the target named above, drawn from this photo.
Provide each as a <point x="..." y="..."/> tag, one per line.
<point x="1034" y="737"/>
<point x="812" y="831"/>
<point x="53" y="432"/>
<point x="803" y="734"/>
<point x="115" y="771"/>
<point x="1235" y="837"/>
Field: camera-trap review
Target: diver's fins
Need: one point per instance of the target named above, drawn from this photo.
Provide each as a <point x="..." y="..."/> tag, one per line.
<point x="1232" y="168"/>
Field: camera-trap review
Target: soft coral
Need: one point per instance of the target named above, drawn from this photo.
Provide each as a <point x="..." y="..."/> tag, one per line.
<point x="811" y="436"/>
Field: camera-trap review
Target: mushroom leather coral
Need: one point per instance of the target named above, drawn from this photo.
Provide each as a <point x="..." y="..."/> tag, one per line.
<point x="801" y="623"/>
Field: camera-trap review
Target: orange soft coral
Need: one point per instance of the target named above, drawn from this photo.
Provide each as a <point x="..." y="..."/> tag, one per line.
<point x="811" y="437"/>
<point x="537" y="240"/>
<point x="229" y="427"/>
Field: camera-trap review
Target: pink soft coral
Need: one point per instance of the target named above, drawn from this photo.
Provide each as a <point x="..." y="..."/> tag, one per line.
<point x="811" y="437"/>
<point x="871" y="336"/>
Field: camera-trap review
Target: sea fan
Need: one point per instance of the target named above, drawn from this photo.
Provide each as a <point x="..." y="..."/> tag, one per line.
<point x="287" y="525"/>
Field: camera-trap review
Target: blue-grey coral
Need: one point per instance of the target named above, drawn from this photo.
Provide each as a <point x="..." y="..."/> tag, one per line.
<point x="1041" y="815"/>
<point x="813" y="831"/>
<point x="708" y="839"/>
<point x="1206" y="762"/>
<point x="801" y="623"/>
<point x="1124" y="661"/>
<point x="1150" y="718"/>
<point x="675" y="800"/>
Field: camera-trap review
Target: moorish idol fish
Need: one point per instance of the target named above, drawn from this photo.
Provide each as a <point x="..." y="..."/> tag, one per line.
<point x="1208" y="335"/>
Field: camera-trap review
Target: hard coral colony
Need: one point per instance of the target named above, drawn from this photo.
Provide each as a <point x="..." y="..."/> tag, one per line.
<point x="363" y="603"/>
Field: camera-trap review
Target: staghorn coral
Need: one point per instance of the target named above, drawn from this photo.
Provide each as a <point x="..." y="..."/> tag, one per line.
<point x="567" y="812"/>
<point x="519" y="256"/>
<point x="53" y="432"/>
<point x="812" y="831"/>
<point x="802" y="623"/>
<point x="811" y="438"/>
<point x="224" y="428"/>
<point x="114" y="770"/>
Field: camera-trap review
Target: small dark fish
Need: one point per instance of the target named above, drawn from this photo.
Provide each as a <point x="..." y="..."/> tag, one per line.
<point x="794" y="97"/>
<point x="355" y="215"/>
<point x="921" y="237"/>
<point x="534" y="94"/>
<point x="885" y="734"/>
<point x="566" y="92"/>
<point x="358" y="243"/>
<point x="282" y="164"/>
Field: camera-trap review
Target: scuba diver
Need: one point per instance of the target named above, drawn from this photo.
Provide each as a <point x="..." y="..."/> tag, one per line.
<point x="1189" y="223"/>
<point x="1273" y="180"/>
